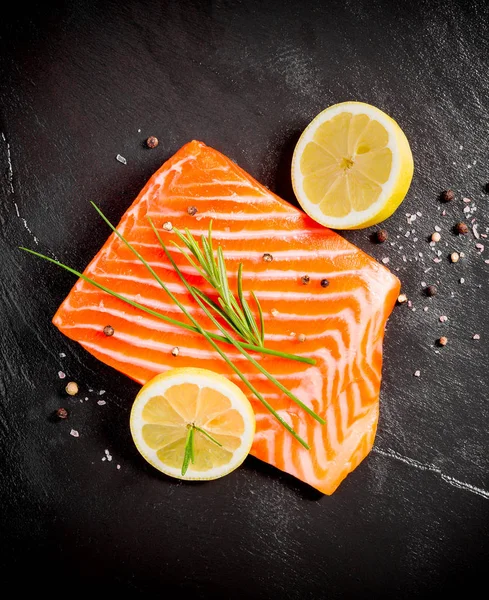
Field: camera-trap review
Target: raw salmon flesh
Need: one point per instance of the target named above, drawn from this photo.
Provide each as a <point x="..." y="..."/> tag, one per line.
<point x="341" y="325"/>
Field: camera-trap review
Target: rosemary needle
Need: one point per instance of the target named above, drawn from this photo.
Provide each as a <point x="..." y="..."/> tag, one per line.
<point x="189" y="450"/>
<point x="188" y="455"/>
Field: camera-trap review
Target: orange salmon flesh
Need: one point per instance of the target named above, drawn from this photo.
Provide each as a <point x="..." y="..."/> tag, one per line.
<point x="341" y="325"/>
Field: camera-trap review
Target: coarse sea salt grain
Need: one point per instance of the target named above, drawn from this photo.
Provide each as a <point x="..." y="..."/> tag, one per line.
<point x="437" y="228"/>
<point x="101" y="402"/>
<point x="443" y="319"/>
<point x="476" y="336"/>
<point x="62" y="355"/>
<point x="417" y="373"/>
<point x="61" y="375"/>
<point x="118" y="466"/>
<point x="462" y="280"/>
<point x="467" y="200"/>
<point x="386" y="260"/>
<point x="101" y="393"/>
<point x="121" y="159"/>
<point x="74" y="433"/>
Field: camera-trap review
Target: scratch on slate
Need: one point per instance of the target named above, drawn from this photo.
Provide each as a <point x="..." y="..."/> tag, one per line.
<point x="10" y="173"/>
<point x="427" y="467"/>
<point x="10" y="179"/>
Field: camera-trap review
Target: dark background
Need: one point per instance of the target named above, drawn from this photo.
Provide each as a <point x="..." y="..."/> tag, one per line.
<point x="83" y="81"/>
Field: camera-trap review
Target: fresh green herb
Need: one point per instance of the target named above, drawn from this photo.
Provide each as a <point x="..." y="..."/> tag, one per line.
<point x="208" y="435"/>
<point x="189" y="450"/>
<point x="212" y="267"/>
<point x="256" y="364"/>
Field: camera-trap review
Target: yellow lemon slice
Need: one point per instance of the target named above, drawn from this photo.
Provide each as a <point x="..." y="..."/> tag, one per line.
<point x="352" y="166"/>
<point x="192" y="424"/>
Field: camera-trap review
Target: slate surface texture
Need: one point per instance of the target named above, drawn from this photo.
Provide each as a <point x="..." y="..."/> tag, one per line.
<point x="81" y="82"/>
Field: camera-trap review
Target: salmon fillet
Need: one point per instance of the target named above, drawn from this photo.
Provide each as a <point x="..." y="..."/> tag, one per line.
<point x="343" y="323"/>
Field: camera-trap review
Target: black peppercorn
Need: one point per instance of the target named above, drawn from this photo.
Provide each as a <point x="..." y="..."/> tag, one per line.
<point x="447" y="196"/>
<point x="431" y="290"/>
<point x="461" y="228"/>
<point x="381" y="236"/>
<point x="62" y="413"/>
<point x="324" y="283"/>
<point x="305" y="279"/>
<point x="267" y="257"/>
<point x="108" y="330"/>
<point x="152" y="141"/>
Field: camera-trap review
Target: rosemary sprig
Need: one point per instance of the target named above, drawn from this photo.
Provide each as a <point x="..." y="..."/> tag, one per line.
<point x="256" y="364"/>
<point x="212" y="267"/>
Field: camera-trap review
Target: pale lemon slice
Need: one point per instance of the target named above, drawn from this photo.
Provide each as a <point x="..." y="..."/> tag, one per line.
<point x="352" y="166"/>
<point x="172" y="404"/>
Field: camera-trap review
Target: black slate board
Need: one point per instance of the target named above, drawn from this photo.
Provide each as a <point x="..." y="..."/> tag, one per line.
<point x="81" y="82"/>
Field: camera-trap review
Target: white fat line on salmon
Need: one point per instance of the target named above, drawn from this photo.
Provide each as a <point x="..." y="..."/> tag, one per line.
<point x="251" y="276"/>
<point x="156" y="324"/>
<point x="229" y="216"/>
<point x="177" y="288"/>
<point x="342" y="316"/>
<point x="428" y="467"/>
<point x="265" y="234"/>
<point x="236" y="183"/>
<point x="175" y="168"/>
<point x="157" y="367"/>
<point x="137" y="342"/>
<point x="132" y="341"/>
<point x="251" y="199"/>
<point x="258" y="256"/>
